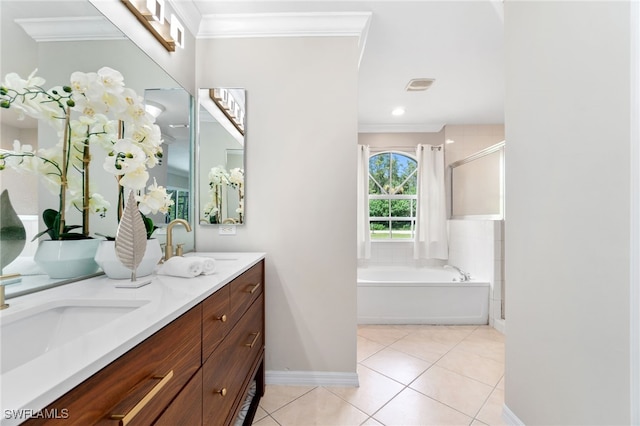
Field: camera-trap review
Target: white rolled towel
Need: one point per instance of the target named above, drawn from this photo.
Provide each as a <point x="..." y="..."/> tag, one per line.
<point x="208" y="264"/>
<point x="177" y="266"/>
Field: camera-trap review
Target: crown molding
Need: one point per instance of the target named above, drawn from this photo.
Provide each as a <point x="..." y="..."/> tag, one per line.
<point x="316" y="24"/>
<point x="284" y="24"/>
<point x="70" y="29"/>
<point x="400" y="128"/>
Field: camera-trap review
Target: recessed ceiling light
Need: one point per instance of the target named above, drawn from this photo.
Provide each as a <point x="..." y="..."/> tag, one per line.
<point x="418" y="84"/>
<point x="153" y="108"/>
<point x="398" y="111"/>
<point x="449" y="141"/>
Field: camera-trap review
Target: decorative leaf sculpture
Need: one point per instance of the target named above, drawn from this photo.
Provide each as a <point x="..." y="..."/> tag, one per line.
<point x="12" y="233"/>
<point x="131" y="238"/>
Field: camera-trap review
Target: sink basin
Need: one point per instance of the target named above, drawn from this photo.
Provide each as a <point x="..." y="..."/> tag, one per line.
<point x="213" y="255"/>
<point x="31" y="333"/>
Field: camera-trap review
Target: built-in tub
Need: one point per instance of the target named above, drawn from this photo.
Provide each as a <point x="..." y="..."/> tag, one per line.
<point x="407" y="295"/>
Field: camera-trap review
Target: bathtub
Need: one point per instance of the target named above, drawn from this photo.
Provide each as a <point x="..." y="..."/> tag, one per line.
<point x="406" y="295"/>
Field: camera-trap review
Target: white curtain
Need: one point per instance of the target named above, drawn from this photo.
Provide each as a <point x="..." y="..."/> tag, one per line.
<point x="364" y="236"/>
<point x="431" y="216"/>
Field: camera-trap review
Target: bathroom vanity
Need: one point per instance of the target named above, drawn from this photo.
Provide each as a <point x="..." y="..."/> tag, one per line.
<point x="190" y="352"/>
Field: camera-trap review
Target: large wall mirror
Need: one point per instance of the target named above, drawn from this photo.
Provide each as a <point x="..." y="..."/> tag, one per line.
<point x="477" y="185"/>
<point x="90" y="43"/>
<point x="221" y="144"/>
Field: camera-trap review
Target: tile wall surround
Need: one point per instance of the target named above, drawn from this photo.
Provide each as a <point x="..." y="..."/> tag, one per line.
<point x="476" y="246"/>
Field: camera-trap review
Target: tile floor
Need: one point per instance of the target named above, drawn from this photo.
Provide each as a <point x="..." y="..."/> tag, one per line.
<point x="409" y="375"/>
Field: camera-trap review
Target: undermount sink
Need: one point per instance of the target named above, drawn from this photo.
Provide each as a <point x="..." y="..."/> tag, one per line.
<point x="31" y="333"/>
<point x="213" y="255"/>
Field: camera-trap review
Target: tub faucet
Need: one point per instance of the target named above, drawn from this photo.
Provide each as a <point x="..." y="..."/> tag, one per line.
<point x="168" y="249"/>
<point x="464" y="276"/>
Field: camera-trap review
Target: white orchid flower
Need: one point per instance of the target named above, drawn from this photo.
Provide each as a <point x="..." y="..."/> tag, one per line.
<point x="154" y="201"/>
<point x="135" y="179"/>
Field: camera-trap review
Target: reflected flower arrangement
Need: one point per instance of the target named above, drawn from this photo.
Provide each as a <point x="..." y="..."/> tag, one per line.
<point x="93" y="109"/>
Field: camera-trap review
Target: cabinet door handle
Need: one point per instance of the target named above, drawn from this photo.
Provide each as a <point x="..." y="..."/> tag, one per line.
<point x="253" y="288"/>
<point x="223" y="318"/>
<point x="222" y="392"/>
<point x="126" y="418"/>
<point x="255" y="339"/>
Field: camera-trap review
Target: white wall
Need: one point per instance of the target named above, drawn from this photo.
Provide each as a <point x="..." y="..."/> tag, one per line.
<point x="300" y="190"/>
<point x="568" y="222"/>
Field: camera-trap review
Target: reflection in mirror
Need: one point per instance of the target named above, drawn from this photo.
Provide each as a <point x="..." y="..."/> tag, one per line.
<point x="221" y="128"/>
<point x="477" y="185"/>
<point x="173" y="107"/>
<point x="101" y="44"/>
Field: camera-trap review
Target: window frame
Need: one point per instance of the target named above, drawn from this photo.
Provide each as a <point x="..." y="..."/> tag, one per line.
<point x="392" y="197"/>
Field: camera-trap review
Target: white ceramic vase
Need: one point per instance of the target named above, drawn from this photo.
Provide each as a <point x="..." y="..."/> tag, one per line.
<point x="106" y="258"/>
<point x="67" y="258"/>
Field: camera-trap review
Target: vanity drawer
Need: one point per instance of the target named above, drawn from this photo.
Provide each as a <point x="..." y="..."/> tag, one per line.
<point x="186" y="409"/>
<point x="215" y="320"/>
<point x="245" y="289"/>
<point x="142" y="381"/>
<point x="227" y="369"/>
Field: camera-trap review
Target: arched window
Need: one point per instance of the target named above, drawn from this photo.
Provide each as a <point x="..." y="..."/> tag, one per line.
<point x="392" y="196"/>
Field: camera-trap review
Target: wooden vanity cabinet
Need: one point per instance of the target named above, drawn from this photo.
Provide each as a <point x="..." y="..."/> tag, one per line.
<point x="232" y="363"/>
<point x="196" y="370"/>
<point x="157" y="368"/>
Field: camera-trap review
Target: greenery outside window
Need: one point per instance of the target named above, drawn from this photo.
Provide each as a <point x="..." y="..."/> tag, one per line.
<point x="392" y="196"/>
<point x="180" y="208"/>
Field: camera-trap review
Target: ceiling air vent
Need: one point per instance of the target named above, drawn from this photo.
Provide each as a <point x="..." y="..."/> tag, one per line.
<point x="418" y="84"/>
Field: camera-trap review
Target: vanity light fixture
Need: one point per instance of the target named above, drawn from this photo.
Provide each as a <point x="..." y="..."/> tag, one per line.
<point x="229" y="107"/>
<point x="151" y="15"/>
<point x="177" y="31"/>
<point x="156" y="8"/>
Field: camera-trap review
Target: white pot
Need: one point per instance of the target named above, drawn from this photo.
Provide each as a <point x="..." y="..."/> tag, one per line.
<point x="106" y="257"/>
<point x="67" y="258"/>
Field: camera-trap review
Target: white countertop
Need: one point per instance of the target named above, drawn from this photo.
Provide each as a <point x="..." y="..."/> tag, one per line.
<point x="37" y="383"/>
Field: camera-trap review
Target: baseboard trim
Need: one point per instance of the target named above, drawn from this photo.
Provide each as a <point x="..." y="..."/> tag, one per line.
<point x="500" y="325"/>
<point x="509" y="417"/>
<point x="311" y="378"/>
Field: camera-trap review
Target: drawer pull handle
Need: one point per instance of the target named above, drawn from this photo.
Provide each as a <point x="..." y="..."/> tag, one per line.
<point x="126" y="418"/>
<point x="255" y="339"/>
<point x="222" y="392"/>
<point x="254" y="288"/>
<point x="223" y="318"/>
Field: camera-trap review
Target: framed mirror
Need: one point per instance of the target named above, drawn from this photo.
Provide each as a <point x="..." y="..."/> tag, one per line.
<point x="90" y="43"/>
<point x="477" y="185"/>
<point x="221" y="145"/>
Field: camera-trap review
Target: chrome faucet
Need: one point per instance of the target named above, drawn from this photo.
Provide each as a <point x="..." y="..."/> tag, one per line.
<point x="168" y="249"/>
<point x="464" y="276"/>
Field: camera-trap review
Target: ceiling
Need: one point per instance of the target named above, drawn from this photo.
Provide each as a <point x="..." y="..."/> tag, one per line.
<point x="457" y="43"/>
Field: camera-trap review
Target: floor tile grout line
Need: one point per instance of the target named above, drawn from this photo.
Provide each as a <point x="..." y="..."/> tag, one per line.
<point x="487" y="399"/>
<point x="474" y="417"/>
<point x="405" y="386"/>
<point x="295" y="399"/>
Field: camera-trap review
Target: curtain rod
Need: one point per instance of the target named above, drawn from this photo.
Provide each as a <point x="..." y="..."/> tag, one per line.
<point x="401" y="148"/>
